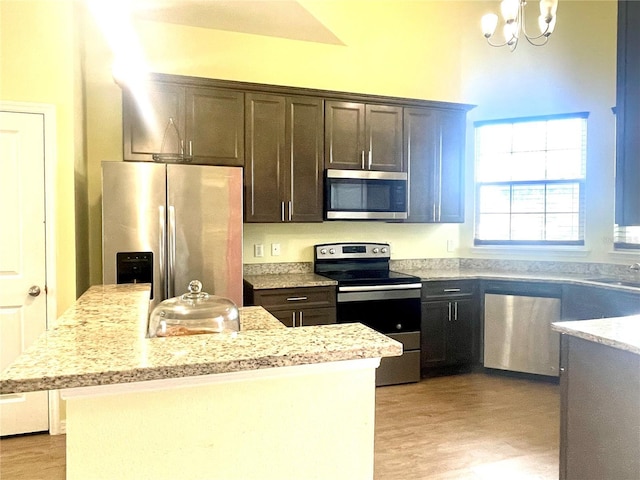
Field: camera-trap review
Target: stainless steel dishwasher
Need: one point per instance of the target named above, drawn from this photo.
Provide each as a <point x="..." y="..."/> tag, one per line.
<point x="517" y="328"/>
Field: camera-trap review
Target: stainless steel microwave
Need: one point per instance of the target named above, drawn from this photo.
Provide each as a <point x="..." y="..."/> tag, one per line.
<point x="365" y="195"/>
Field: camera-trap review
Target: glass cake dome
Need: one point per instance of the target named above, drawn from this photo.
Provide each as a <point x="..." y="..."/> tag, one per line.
<point x="194" y="313"/>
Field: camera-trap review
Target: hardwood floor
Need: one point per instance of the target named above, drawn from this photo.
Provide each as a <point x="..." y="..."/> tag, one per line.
<point x="470" y="426"/>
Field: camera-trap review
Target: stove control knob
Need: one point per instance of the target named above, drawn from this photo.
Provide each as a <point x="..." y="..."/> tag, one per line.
<point x="399" y="326"/>
<point x="332" y="251"/>
<point x="323" y="251"/>
<point x="384" y="250"/>
<point x="375" y="250"/>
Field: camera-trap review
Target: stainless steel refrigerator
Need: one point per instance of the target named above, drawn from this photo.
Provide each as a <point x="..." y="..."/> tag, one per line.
<point x="168" y="224"/>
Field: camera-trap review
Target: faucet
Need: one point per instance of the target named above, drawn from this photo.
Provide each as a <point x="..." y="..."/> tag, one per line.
<point x="635" y="267"/>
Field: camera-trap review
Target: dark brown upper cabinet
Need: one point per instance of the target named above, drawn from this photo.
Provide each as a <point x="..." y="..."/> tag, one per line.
<point x="627" y="211"/>
<point x="284" y="162"/>
<point x="434" y="145"/>
<point x="362" y="136"/>
<point x="202" y="125"/>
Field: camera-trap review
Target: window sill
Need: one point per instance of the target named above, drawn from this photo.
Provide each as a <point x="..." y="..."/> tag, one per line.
<point x="528" y="250"/>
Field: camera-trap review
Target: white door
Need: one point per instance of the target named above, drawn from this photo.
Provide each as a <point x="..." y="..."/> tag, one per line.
<point x="22" y="260"/>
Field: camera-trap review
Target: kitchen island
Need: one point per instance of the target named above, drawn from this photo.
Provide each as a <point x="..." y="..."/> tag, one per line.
<point x="267" y="402"/>
<point x="600" y="398"/>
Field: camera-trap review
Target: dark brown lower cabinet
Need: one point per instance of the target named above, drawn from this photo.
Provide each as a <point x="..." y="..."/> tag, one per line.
<point x="449" y="326"/>
<point x="447" y="333"/>
<point x="582" y="302"/>
<point x="296" y="307"/>
<point x="599" y="411"/>
<point x="305" y="317"/>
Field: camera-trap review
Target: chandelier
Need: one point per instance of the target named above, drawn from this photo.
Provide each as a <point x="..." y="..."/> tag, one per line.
<point x="515" y="25"/>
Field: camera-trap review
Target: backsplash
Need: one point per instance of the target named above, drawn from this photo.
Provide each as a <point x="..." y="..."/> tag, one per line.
<point x="523" y="266"/>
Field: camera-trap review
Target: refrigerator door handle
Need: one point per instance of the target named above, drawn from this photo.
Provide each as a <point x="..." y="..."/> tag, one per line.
<point x="162" y="242"/>
<point x="171" y="277"/>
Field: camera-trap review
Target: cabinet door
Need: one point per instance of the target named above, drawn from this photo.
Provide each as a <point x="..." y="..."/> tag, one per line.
<point x="452" y="131"/>
<point x="421" y="149"/>
<point x="434" y="144"/>
<point x="344" y="135"/>
<point x="304" y="161"/>
<point x="215" y="126"/>
<point x="383" y="141"/>
<point x="316" y="316"/>
<point x="265" y="152"/>
<point x="146" y="121"/>
<point x="435" y="317"/>
<point x="627" y="211"/>
<point x="460" y="345"/>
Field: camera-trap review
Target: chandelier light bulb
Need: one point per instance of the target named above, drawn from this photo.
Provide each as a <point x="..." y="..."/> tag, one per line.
<point x="548" y="8"/>
<point x="510" y="32"/>
<point x="515" y="26"/>
<point x="509" y="9"/>
<point x="489" y="24"/>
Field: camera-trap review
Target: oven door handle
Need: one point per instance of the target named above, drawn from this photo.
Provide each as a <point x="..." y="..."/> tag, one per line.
<point x="378" y="295"/>
<point x="376" y="288"/>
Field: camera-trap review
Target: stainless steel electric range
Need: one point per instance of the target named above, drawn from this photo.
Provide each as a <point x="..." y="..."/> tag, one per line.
<point x="372" y="294"/>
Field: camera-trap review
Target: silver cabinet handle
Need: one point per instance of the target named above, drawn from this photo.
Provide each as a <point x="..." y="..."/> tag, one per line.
<point x="449" y="311"/>
<point x="282" y="211"/>
<point x="451" y="290"/>
<point x="290" y="210"/>
<point x="362" y="159"/>
<point x="300" y="321"/>
<point x="293" y="319"/>
<point x="370" y="159"/>
<point x="455" y="311"/>
<point x="296" y="299"/>
<point x="34" y="291"/>
<point x="191" y="148"/>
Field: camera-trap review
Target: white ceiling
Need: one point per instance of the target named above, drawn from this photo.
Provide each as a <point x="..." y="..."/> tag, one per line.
<point x="274" y="18"/>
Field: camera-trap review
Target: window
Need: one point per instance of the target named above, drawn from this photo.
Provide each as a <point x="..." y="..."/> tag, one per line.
<point x="530" y="177"/>
<point x="627" y="237"/>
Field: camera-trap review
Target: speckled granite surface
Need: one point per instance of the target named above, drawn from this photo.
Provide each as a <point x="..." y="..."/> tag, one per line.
<point x="101" y="340"/>
<point x="288" y="280"/>
<point x="622" y="333"/>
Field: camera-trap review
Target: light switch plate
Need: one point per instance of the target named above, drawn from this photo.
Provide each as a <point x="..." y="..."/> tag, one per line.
<point x="258" y="250"/>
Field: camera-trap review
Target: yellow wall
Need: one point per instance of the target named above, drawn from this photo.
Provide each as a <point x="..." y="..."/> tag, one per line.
<point x="39" y="64"/>
<point x="423" y="49"/>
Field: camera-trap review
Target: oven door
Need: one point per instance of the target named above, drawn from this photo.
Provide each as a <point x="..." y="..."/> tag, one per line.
<point x="385" y="308"/>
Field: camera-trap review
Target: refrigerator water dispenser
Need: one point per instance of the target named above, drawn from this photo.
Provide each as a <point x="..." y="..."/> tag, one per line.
<point x="135" y="267"/>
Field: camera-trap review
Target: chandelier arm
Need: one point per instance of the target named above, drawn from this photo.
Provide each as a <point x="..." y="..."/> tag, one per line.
<point x="523" y="25"/>
<point x="535" y="44"/>
<point x="496" y="44"/>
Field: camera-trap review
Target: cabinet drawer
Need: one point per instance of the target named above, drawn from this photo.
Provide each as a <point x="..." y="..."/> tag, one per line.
<point x="288" y="298"/>
<point x="452" y="288"/>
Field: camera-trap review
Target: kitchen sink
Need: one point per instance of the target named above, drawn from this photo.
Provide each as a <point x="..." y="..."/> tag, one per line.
<point x="616" y="281"/>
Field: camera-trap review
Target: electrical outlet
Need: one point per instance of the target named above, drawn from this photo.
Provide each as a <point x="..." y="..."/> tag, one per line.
<point x="275" y="249"/>
<point x="258" y="250"/>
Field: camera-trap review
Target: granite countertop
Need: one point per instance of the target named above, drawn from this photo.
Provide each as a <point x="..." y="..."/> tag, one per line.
<point x="622" y="333"/>
<point x="299" y="280"/>
<point x="101" y="340"/>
